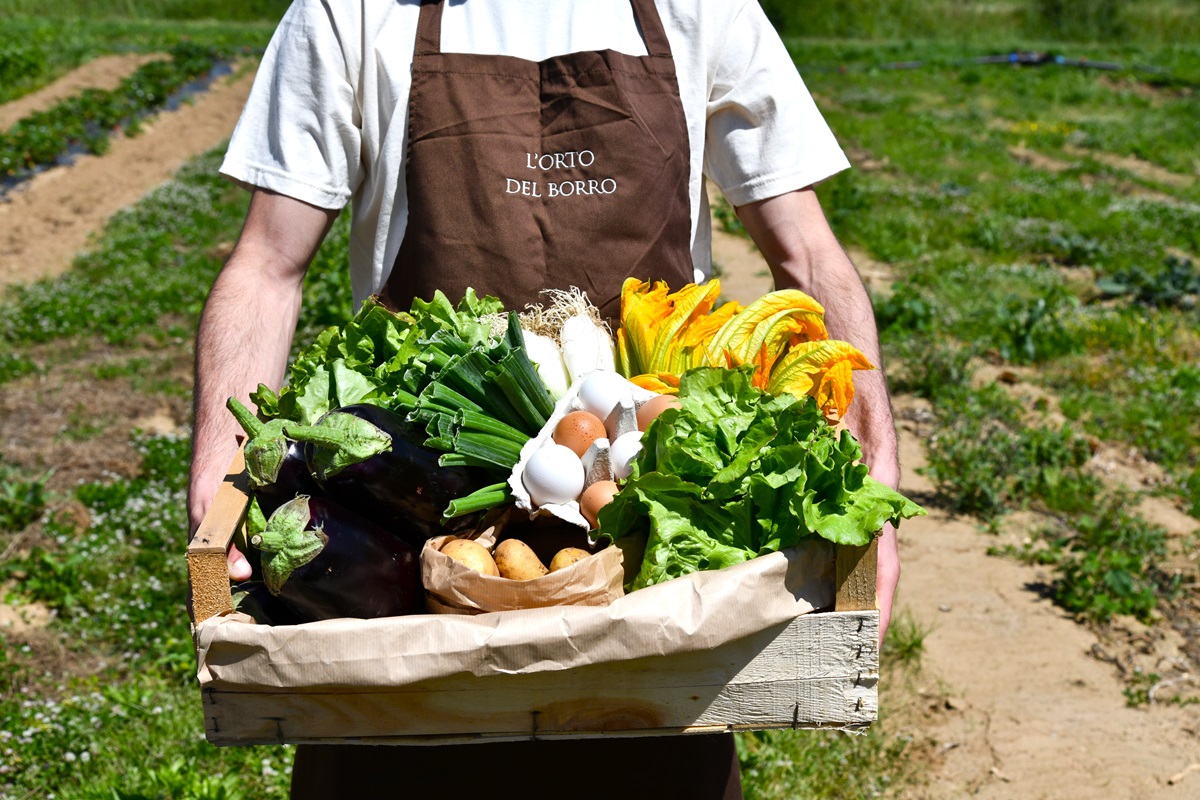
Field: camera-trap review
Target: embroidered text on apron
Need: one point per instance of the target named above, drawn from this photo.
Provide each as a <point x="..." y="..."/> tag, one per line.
<point x="525" y="175"/>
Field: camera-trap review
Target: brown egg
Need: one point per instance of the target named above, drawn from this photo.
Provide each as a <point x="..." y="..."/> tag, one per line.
<point x="596" y="497"/>
<point x="655" y="406"/>
<point x="578" y="430"/>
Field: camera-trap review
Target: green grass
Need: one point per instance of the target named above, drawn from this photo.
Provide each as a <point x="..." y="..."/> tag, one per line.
<point x="38" y="46"/>
<point x="1106" y="562"/>
<point x="1018" y="236"/>
<point x="947" y="20"/>
<point x="1066" y="259"/>
<point x="147" y="278"/>
<point x="22" y="498"/>
<point x="783" y="765"/>
<point x="156" y="10"/>
<point x="127" y="718"/>
<point x="89" y="119"/>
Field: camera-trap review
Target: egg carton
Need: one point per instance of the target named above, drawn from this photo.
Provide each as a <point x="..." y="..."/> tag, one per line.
<point x="597" y="464"/>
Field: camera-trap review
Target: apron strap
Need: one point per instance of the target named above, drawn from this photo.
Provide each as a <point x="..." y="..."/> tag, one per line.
<point x="429" y="28"/>
<point x="655" y="36"/>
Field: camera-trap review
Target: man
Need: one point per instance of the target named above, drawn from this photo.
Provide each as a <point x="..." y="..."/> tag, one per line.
<point x="512" y="147"/>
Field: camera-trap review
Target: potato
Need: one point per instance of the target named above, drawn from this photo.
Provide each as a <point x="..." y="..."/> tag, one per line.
<point x="566" y="557"/>
<point x="472" y="554"/>
<point x="547" y="535"/>
<point x="516" y="561"/>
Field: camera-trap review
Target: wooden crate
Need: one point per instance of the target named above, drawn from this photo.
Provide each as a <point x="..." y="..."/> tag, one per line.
<point x="818" y="670"/>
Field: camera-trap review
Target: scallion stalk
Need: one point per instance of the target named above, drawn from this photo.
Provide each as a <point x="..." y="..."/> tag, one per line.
<point x="479" y="500"/>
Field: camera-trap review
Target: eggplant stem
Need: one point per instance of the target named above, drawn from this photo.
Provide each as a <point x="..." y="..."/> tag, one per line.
<point x="251" y="424"/>
<point x="314" y="434"/>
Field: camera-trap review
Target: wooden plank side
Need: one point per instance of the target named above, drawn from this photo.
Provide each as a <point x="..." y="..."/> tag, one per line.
<point x="818" y="671"/>
<point x="532" y="712"/>
<point x="856" y="577"/>
<point x="208" y="577"/>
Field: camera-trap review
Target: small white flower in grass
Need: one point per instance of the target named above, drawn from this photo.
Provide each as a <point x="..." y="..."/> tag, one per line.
<point x="69" y="757"/>
<point x="85" y="756"/>
<point x="156" y="710"/>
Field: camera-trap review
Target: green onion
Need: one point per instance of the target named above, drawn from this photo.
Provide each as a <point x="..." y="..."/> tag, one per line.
<point x="503" y="453"/>
<point x="474" y="421"/>
<point x="479" y="500"/>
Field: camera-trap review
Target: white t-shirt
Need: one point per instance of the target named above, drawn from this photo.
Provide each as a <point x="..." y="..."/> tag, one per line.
<point x="327" y="117"/>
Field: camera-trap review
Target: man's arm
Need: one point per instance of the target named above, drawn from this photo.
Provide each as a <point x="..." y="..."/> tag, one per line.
<point x="793" y="235"/>
<point x="246" y="332"/>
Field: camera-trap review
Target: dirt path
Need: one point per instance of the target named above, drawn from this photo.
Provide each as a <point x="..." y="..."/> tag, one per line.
<point x="105" y="72"/>
<point x="1016" y="706"/>
<point x="48" y="220"/>
<point x="1033" y="714"/>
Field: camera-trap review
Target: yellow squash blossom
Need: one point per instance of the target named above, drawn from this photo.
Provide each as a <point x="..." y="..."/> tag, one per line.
<point x="783" y="334"/>
<point x="821" y="370"/>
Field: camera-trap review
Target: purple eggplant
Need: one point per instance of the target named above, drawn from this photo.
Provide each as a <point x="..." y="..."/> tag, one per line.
<point x="372" y="460"/>
<point x="277" y="467"/>
<point x="325" y="562"/>
<point x="253" y="598"/>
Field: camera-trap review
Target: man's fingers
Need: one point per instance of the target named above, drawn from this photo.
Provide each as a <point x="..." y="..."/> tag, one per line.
<point x="239" y="567"/>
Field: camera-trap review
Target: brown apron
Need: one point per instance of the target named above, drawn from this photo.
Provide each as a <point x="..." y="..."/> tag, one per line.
<point x="525" y="176"/>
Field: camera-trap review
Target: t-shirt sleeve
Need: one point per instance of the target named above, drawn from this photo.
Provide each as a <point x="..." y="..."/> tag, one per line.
<point x="299" y="133"/>
<point x="764" y="135"/>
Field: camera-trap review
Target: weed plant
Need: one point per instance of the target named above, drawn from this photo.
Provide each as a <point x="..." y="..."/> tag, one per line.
<point x="1107" y="562"/>
<point x="22" y="499"/>
<point x="1144" y="21"/>
<point x="117" y="592"/>
<point x="226" y="10"/>
<point x="88" y="119"/>
<point x="146" y="280"/>
<point x="40" y="47"/>
<point x="985" y="460"/>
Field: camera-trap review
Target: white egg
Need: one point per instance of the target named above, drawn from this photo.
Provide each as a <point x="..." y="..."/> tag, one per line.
<point x="623" y="451"/>
<point x="602" y="390"/>
<point x="553" y="474"/>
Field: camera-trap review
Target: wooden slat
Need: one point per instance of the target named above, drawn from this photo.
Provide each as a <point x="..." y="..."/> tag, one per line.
<point x="208" y="575"/>
<point x="820" y="670"/>
<point x="856" y="577"/>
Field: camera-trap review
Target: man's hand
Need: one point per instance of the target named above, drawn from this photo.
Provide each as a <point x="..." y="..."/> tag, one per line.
<point x="246" y="334"/>
<point x="793" y="235"/>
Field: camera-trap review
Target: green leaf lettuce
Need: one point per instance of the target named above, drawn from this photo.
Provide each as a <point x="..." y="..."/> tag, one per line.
<point x="736" y="473"/>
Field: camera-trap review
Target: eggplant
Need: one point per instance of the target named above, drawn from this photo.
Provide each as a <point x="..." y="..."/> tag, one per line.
<point x="325" y="562"/>
<point x="277" y="467"/>
<point x="372" y="460"/>
<point x="252" y="597"/>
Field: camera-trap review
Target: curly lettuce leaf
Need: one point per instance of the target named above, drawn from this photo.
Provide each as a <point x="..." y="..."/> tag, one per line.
<point x="736" y="473"/>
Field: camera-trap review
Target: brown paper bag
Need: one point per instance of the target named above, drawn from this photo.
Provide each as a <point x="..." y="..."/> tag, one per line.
<point x="453" y="588"/>
<point x="695" y="613"/>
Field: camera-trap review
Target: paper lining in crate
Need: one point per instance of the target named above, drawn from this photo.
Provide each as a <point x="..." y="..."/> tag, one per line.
<point x="732" y="649"/>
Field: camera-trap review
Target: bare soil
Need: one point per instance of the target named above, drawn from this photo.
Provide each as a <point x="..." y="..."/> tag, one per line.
<point x="47" y="220"/>
<point x="105" y="72"/>
<point x="1014" y="700"/>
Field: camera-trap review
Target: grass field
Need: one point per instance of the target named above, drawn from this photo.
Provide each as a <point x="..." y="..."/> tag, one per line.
<point x="1042" y="219"/>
